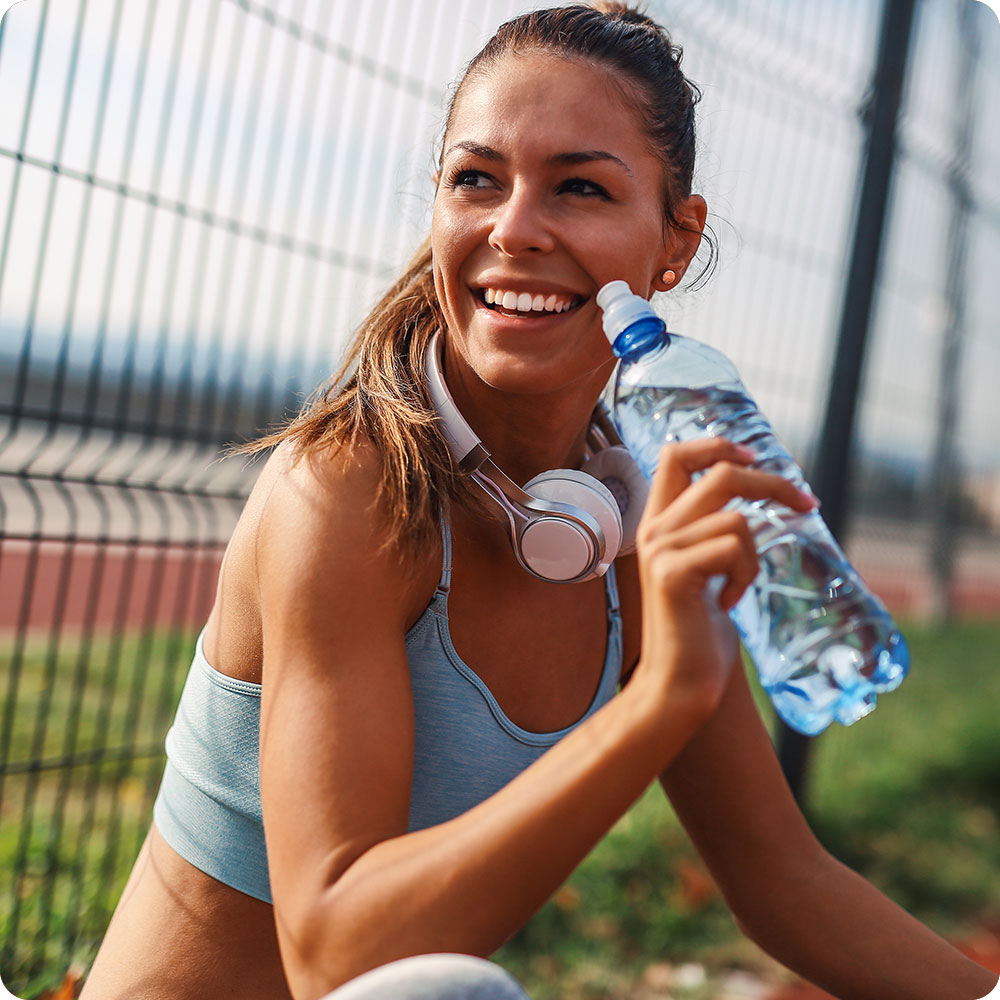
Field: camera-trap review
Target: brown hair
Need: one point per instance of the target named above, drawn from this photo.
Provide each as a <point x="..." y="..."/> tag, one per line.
<point x="379" y="394"/>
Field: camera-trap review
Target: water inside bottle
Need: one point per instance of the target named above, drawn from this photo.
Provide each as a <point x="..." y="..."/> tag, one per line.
<point x="823" y="645"/>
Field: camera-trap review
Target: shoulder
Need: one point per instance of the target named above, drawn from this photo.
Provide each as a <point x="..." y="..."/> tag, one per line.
<point x="321" y="498"/>
<point x="321" y="538"/>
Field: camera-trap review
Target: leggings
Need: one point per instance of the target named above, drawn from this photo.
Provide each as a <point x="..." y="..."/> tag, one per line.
<point x="433" y="977"/>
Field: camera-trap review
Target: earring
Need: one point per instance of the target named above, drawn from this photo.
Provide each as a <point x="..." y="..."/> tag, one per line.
<point x="668" y="277"/>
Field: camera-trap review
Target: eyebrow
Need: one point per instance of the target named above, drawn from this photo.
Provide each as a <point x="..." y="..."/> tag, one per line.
<point x="567" y="159"/>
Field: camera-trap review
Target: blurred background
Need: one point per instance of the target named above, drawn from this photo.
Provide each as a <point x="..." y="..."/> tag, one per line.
<point x="199" y="202"/>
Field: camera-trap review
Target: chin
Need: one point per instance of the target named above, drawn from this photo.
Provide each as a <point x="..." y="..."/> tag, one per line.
<point x="541" y="379"/>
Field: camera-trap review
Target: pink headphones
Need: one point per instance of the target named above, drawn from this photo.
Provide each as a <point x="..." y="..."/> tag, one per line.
<point x="566" y="525"/>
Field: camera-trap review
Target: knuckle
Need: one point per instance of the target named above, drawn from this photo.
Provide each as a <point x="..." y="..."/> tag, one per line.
<point x="735" y="522"/>
<point x="671" y="451"/>
<point x="734" y="546"/>
<point x="721" y="474"/>
<point x="646" y="533"/>
<point x="660" y="562"/>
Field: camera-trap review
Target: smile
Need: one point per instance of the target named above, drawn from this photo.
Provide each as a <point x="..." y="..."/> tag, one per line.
<point x="527" y="302"/>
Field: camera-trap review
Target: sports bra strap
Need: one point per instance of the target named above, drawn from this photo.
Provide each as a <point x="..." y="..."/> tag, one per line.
<point x="444" y="584"/>
<point x="611" y="590"/>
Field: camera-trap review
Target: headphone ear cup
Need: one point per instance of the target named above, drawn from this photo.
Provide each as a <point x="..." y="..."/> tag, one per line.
<point x="619" y="472"/>
<point x="573" y="487"/>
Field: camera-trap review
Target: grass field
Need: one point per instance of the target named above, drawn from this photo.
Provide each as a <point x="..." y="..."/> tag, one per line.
<point x="69" y="834"/>
<point x="910" y="796"/>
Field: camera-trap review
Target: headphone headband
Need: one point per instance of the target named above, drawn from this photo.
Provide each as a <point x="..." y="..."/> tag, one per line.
<point x="466" y="448"/>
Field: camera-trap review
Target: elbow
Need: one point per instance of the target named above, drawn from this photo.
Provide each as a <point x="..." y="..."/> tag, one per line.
<point x="320" y="919"/>
<point x="321" y="936"/>
<point x="311" y="950"/>
<point x="330" y="935"/>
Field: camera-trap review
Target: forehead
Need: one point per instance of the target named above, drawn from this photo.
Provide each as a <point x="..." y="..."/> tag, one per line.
<point x="540" y="97"/>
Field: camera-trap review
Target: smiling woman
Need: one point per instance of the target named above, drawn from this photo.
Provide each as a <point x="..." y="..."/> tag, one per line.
<point x="400" y="732"/>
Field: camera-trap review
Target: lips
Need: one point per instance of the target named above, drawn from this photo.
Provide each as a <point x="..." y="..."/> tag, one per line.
<point x="513" y="302"/>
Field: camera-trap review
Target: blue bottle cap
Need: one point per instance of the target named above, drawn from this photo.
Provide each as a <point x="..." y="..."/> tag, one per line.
<point x="622" y="307"/>
<point x="630" y="323"/>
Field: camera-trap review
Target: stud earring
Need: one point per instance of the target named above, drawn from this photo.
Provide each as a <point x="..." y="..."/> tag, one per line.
<point x="668" y="278"/>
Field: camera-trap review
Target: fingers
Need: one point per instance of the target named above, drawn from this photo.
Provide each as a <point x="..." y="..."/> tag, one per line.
<point x="676" y="501"/>
<point x="689" y="535"/>
<point x="680" y="461"/>
<point x="719" y="545"/>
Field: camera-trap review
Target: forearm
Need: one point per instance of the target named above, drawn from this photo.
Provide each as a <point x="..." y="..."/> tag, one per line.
<point x="832" y="927"/>
<point x="468" y="884"/>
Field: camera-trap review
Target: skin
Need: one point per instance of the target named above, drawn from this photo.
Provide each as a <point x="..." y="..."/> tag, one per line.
<point x="352" y="888"/>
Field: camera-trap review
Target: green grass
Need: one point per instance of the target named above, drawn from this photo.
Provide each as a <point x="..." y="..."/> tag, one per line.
<point x="909" y="796"/>
<point x="69" y="835"/>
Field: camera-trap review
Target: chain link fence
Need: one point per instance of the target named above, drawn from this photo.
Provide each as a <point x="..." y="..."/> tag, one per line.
<point x="198" y="202"/>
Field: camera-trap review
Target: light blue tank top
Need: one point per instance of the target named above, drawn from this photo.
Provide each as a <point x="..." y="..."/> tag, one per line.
<point x="208" y="807"/>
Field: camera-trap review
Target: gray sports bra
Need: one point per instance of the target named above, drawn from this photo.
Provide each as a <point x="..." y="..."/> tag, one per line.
<point x="208" y="807"/>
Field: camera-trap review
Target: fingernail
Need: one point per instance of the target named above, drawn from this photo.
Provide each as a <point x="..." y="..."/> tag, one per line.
<point x="745" y="452"/>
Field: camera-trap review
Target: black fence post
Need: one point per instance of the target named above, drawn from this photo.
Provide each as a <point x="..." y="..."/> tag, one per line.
<point x="943" y="490"/>
<point x="829" y="475"/>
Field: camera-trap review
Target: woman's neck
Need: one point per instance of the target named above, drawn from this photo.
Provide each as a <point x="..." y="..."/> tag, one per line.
<point x="528" y="435"/>
<point x="531" y="432"/>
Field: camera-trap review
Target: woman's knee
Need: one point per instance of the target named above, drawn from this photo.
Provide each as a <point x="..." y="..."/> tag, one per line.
<point x="433" y="977"/>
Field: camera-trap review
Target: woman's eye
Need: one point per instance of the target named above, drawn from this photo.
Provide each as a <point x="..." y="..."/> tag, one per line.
<point x="469" y="179"/>
<point x="579" y="185"/>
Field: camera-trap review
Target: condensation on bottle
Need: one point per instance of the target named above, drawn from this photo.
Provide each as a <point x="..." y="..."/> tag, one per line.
<point x="824" y="646"/>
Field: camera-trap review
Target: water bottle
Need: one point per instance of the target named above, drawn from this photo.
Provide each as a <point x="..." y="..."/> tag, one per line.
<point x="823" y="644"/>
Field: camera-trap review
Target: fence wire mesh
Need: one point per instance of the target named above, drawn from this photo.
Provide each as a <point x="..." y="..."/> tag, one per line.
<point x="198" y="201"/>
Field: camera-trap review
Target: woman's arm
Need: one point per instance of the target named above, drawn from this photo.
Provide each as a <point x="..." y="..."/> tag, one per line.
<point x="352" y="889"/>
<point x="787" y="893"/>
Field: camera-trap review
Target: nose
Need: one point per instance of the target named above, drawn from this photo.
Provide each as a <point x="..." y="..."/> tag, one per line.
<point x="520" y="226"/>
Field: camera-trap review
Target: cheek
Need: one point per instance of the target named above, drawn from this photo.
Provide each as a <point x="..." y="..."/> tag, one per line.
<point x="446" y="260"/>
<point x="449" y="241"/>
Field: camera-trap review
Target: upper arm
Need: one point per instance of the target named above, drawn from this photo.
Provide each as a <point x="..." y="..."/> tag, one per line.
<point x="729" y="792"/>
<point x="336" y="731"/>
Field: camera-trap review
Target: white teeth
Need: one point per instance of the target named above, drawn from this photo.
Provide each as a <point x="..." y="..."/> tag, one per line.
<point x="526" y="301"/>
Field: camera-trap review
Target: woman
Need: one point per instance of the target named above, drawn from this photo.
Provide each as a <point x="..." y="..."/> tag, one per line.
<point x="439" y="739"/>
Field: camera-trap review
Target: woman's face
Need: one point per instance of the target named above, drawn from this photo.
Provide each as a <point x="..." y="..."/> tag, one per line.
<point x="548" y="190"/>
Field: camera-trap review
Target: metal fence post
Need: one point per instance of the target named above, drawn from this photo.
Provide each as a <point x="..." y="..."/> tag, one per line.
<point x="829" y="476"/>
<point x="943" y="492"/>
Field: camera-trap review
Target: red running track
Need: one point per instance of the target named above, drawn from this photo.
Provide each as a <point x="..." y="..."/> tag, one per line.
<point x="72" y="586"/>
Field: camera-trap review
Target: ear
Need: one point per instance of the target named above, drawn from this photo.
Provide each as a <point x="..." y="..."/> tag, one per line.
<point x="683" y="241"/>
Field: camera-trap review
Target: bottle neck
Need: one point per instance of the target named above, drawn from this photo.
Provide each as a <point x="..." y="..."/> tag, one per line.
<point x="641" y="337"/>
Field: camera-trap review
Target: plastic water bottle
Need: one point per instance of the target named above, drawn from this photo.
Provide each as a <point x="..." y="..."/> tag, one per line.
<point x="823" y="644"/>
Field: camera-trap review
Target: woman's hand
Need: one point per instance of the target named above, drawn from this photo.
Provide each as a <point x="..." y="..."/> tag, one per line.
<point x="696" y="558"/>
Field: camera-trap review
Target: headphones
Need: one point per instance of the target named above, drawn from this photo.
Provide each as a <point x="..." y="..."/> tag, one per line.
<point x="566" y="525"/>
